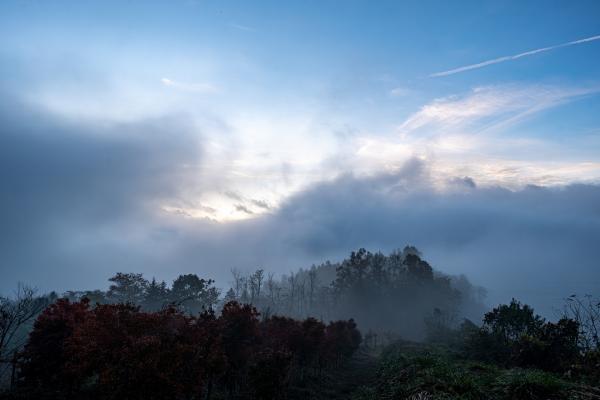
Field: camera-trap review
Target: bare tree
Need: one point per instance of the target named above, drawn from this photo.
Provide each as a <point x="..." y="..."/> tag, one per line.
<point x="256" y="281"/>
<point x="16" y="314"/>
<point x="271" y="287"/>
<point x="586" y="311"/>
<point x="312" y="286"/>
<point x="237" y="282"/>
<point x="301" y="296"/>
<point x="292" y="279"/>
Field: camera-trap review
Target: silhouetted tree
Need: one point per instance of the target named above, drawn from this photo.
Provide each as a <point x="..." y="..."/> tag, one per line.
<point x="156" y="296"/>
<point x="127" y="288"/>
<point x="193" y="294"/>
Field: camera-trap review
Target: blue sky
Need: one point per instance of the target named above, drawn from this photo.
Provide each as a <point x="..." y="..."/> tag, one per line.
<point x="230" y="113"/>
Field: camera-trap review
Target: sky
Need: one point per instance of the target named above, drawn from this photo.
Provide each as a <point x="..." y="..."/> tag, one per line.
<point x="198" y="136"/>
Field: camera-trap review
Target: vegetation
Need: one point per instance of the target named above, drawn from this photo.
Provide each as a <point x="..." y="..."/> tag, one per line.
<point x="16" y="317"/>
<point x="515" y="354"/>
<point x="384" y="293"/>
<point x="267" y="339"/>
<point x="117" y="351"/>
<point x="410" y="371"/>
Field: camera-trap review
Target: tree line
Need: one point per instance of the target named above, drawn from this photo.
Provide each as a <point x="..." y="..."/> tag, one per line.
<point x="383" y="293"/>
<point x="393" y="292"/>
<point x="265" y="332"/>
<point x="380" y="292"/>
<point x="76" y="351"/>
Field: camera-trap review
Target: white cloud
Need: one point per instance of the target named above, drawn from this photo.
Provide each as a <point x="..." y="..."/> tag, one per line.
<point x="190" y="87"/>
<point x="511" y="58"/>
<point x="400" y="92"/>
<point x="494" y="106"/>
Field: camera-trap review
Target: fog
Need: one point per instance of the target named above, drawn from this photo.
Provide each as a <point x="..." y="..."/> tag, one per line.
<point x="81" y="201"/>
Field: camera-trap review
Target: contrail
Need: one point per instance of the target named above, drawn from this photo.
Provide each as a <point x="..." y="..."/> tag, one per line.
<point x="513" y="57"/>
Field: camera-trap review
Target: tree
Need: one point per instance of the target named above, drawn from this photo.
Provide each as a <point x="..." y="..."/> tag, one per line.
<point x="229" y="296"/>
<point x="341" y="340"/>
<point x="269" y="374"/>
<point x="585" y="310"/>
<point x="510" y="322"/>
<point x="553" y="348"/>
<point x="192" y="294"/>
<point x="43" y="362"/>
<point x="118" y="351"/>
<point x="240" y="333"/>
<point x="256" y="281"/>
<point x="157" y="295"/>
<point x="127" y="288"/>
<point x="418" y="268"/>
<point x="16" y="315"/>
<point x="312" y="286"/>
<point x="136" y="355"/>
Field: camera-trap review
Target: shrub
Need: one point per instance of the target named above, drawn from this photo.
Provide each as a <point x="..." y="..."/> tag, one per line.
<point x="532" y="385"/>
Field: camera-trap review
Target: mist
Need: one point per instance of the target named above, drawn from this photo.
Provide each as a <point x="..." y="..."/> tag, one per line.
<point x="81" y="201"/>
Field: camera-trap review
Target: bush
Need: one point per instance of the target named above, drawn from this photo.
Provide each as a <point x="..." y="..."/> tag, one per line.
<point x="512" y="335"/>
<point x="532" y="385"/>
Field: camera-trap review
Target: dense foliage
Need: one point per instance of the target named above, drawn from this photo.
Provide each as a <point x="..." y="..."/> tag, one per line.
<point x="512" y="335"/>
<point x="514" y="354"/>
<point x="410" y="371"/>
<point x="117" y="351"/>
<point x="188" y="293"/>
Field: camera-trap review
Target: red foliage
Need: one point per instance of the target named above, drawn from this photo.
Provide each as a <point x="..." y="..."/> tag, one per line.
<point x="341" y="340"/>
<point x="45" y="355"/>
<point x="117" y="351"/>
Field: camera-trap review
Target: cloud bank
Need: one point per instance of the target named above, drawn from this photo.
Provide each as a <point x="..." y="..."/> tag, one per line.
<point x="80" y="203"/>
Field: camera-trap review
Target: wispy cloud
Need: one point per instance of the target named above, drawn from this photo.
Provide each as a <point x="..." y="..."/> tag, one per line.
<point x="399" y="92"/>
<point x="493" y="106"/>
<point x="242" y="27"/>
<point x="189" y="87"/>
<point x="512" y="57"/>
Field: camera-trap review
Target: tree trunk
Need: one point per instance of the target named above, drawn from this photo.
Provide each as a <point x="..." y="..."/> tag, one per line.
<point x="13" y="372"/>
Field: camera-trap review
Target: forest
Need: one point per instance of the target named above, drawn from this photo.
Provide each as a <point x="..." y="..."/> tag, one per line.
<point x="372" y="326"/>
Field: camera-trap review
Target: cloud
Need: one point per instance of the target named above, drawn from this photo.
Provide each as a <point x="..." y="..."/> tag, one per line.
<point x="535" y="243"/>
<point x="242" y="27"/>
<point x="400" y="92"/>
<point x="205" y="88"/>
<point x="496" y="106"/>
<point x="78" y="199"/>
<point x="261" y="204"/>
<point x="79" y="204"/>
<point x="243" y="208"/>
<point x="82" y="200"/>
<point x="512" y="58"/>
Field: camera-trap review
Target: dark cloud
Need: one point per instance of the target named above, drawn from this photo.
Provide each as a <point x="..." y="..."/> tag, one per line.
<point x="261" y="204"/>
<point x="80" y="201"/>
<point x="243" y="208"/>
<point x="464" y="181"/>
<point x="74" y="196"/>
<point x="538" y="244"/>
<point x="233" y="195"/>
<point x="244" y="203"/>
